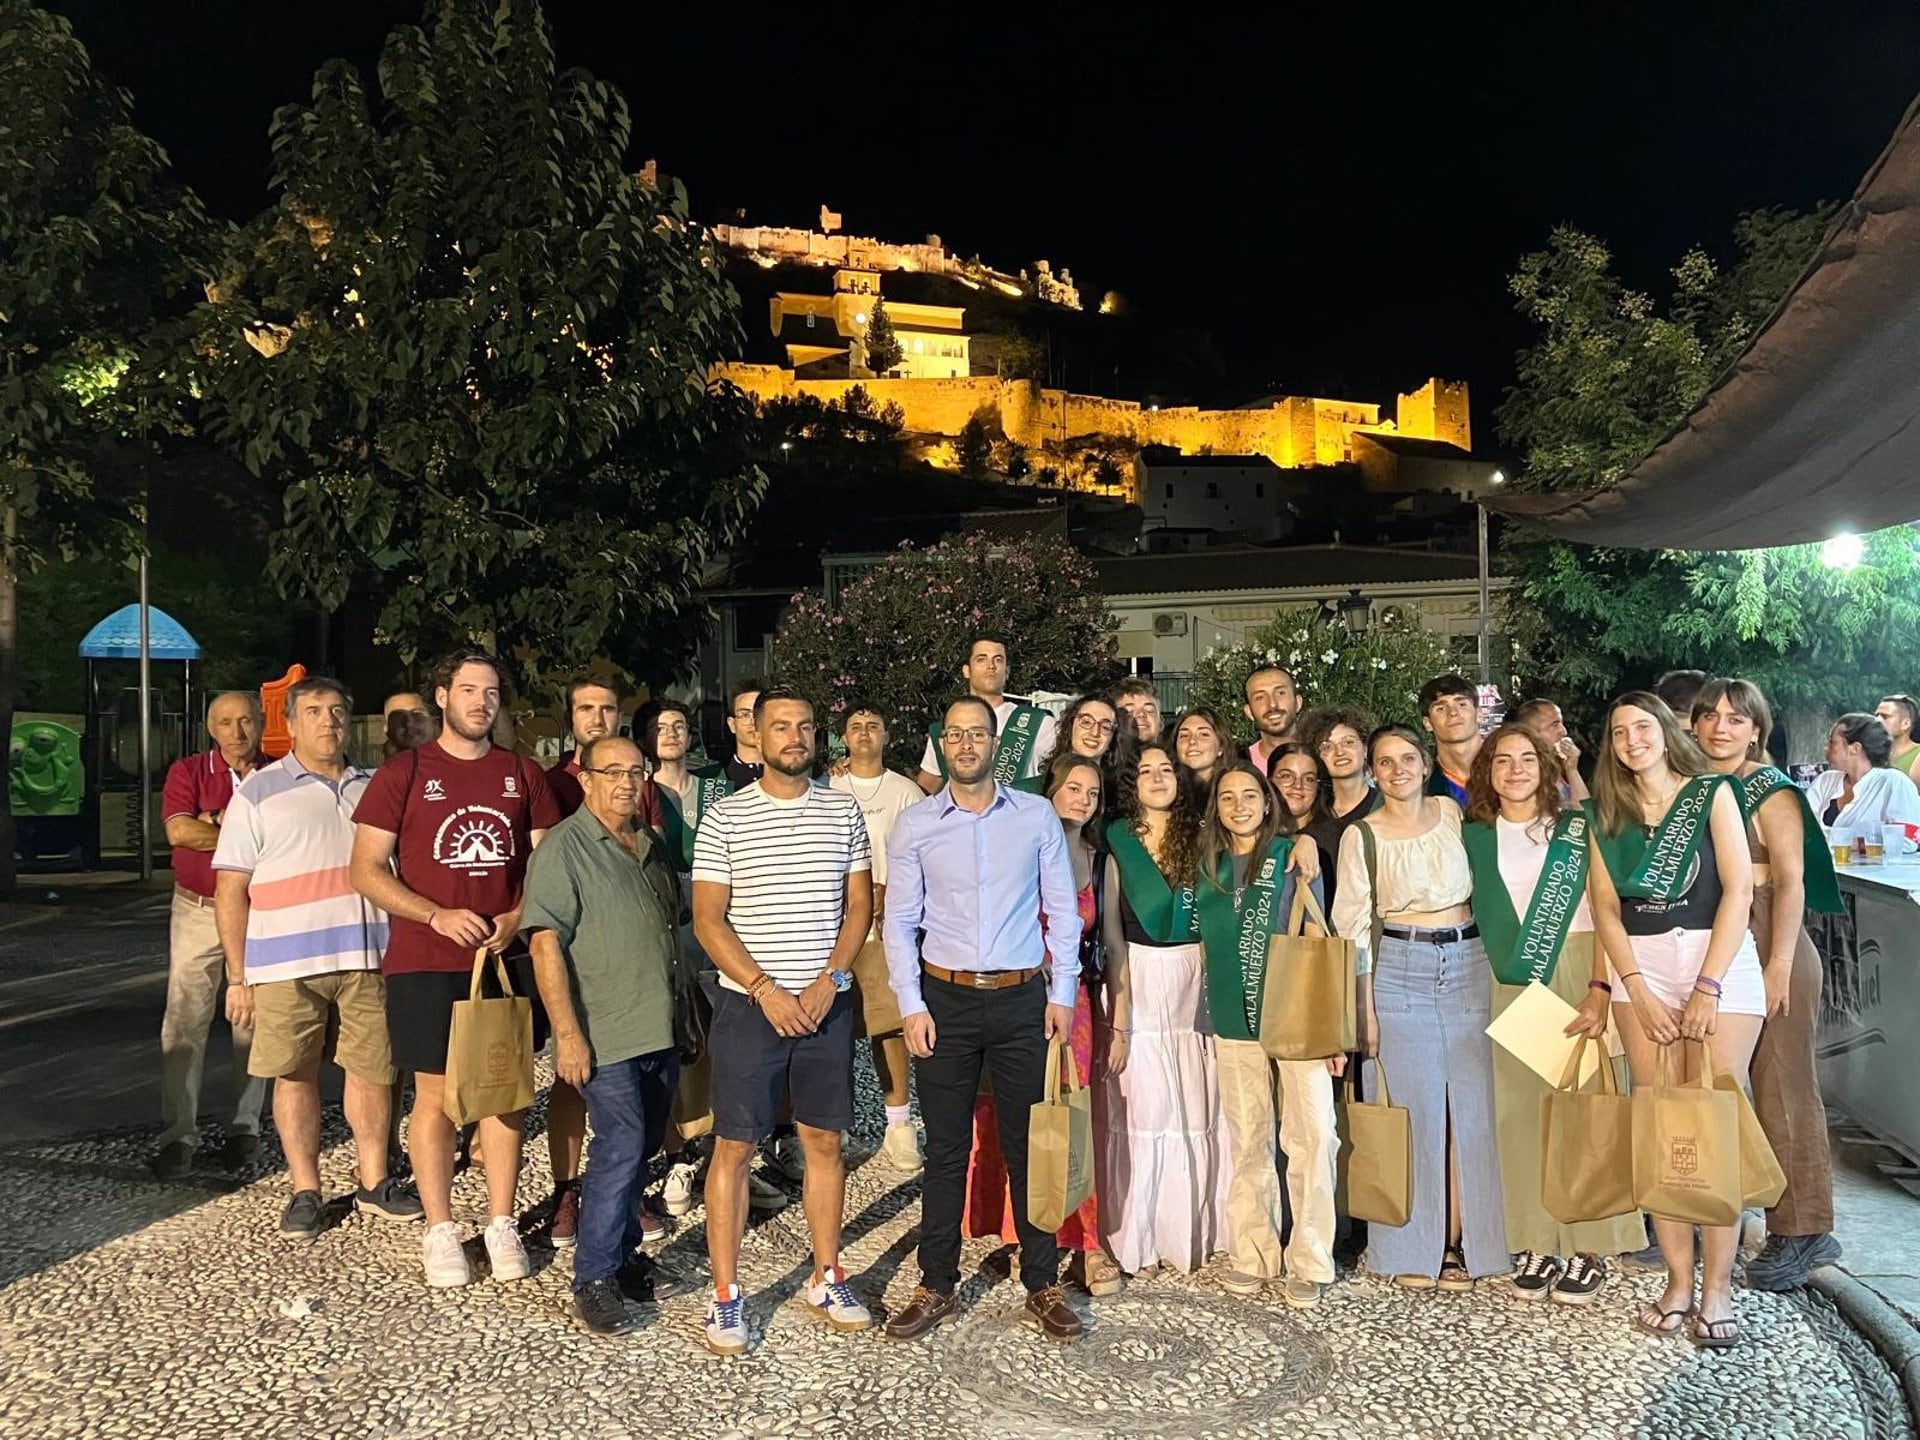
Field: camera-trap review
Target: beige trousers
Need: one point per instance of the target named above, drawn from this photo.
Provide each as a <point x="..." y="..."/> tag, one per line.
<point x="196" y="978"/>
<point x="1255" y="1093"/>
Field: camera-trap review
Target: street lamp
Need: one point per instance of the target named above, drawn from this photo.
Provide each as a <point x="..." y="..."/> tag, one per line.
<point x="1356" y="612"/>
<point x="1499" y="477"/>
<point x="1844" y="551"/>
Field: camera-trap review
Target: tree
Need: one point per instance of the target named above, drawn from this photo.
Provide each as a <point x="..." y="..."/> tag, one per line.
<point x="898" y="638"/>
<point x="974" y="448"/>
<point x="883" y="346"/>
<point x="98" y="250"/>
<point x="476" y="349"/>
<point x="1611" y="374"/>
<point x="1381" y="671"/>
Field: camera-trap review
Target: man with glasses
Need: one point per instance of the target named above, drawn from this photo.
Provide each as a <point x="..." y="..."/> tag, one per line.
<point x="1027" y="733"/>
<point x="982" y="985"/>
<point x="600" y="909"/>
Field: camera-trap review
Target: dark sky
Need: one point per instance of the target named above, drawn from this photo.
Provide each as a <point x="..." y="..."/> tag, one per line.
<point x="1340" y="198"/>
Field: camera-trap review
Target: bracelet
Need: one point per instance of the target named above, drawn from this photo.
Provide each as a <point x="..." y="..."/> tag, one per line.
<point x="1625" y="975"/>
<point x="1707" y="985"/>
<point x="1599" y="985"/>
<point x="758" y="988"/>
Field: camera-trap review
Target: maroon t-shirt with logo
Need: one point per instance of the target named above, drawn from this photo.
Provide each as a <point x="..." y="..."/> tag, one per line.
<point x="465" y="829"/>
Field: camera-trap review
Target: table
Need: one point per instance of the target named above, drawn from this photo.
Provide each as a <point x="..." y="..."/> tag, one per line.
<point x="1870" y="1012"/>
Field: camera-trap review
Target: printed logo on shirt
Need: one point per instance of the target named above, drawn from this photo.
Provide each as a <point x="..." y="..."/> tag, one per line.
<point x="474" y="838"/>
<point x="510" y="787"/>
<point x="434" y="790"/>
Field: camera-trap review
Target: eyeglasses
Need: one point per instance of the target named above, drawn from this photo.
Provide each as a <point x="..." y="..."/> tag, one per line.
<point x="1294" y="782"/>
<point x="1098" y="727"/>
<point x="1350" y="743"/>
<point x="965" y="737"/>
<point x="616" y="774"/>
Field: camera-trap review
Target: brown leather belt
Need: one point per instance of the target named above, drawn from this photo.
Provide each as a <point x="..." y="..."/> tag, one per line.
<point x="980" y="979"/>
<point x="180" y="892"/>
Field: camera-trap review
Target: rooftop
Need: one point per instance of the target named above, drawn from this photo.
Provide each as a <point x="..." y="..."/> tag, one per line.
<point x="1278" y="568"/>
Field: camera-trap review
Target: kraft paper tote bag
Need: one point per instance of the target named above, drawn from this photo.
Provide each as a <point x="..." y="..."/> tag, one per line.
<point x="1686" y="1146"/>
<point x="1376" y="1156"/>
<point x="1059" y="1144"/>
<point x="1308" y="1003"/>
<point x="692" y="1098"/>
<point x="879" y="1007"/>
<point x="1762" y="1181"/>
<point x="1586" y="1145"/>
<point x="489" y="1050"/>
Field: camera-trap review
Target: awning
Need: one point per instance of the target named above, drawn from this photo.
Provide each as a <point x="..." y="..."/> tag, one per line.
<point x="1815" y="429"/>
<point x="117" y="637"/>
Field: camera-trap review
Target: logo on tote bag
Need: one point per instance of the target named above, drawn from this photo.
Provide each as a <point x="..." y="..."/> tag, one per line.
<point x="499" y="1060"/>
<point x="1683" y="1157"/>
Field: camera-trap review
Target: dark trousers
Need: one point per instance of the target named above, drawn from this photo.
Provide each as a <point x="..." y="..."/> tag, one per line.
<point x="628" y="1103"/>
<point x="1004" y="1032"/>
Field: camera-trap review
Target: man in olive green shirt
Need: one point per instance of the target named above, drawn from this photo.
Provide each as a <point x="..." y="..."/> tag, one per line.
<point x="600" y="909"/>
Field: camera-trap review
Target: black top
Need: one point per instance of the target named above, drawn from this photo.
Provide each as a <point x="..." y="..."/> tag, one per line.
<point x="1694" y="907"/>
<point x="741" y="774"/>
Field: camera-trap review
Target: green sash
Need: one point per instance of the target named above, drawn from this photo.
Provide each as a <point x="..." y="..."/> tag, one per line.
<point x="1656" y="869"/>
<point x="1017" y="740"/>
<point x="1236" y="938"/>
<point x="1165" y="913"/>
<point x="1823" y="886"/>
<point x="711" y="786"/>
<point x="1522" y="950"/>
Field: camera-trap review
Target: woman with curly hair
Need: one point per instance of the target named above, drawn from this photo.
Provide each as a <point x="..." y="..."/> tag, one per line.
<point x="1163" y="1162"/>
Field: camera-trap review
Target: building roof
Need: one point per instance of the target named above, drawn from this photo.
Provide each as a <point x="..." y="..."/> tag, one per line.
<point x="1412" y="447"/>
<point x="1277" y="568"/>
<point x="795" y="566"/>
<point x="1158" y="455"/>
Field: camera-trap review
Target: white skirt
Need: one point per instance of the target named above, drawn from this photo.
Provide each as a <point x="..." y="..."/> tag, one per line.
<point x="1670" y="962"/>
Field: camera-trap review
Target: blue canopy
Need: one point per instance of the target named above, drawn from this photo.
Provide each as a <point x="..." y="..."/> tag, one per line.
<point x="118" y="637"/>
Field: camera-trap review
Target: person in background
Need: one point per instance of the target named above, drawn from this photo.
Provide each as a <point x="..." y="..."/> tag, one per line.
<point x="1792" y="874"/>
<point x="1901" y="714"/>
<point x="1862" y="792"/>
<point x="1140" y="702"/>
<point x="746" y="764"/>
<point x="1337" y="735"/>
<point x="1529" y="861"/>
<point x="1027" y="733"/>
<point x="409" y="700"/>
<point x="1682" y="962"/>
<point x="1450" y="712"/>
<point x="1086" y="728"/>
<point x="1203" y="744"/>
<point x="193" y="804"/>
<point x="1404" y="892"/>
<point x="1273" y="705"/>
<point x="1163" y="1165"/>
<point x="1543" y="717"/>
<point x="1294" y="775"/>
<point x="1677" y="689"/>
<point x="1245" y="896"/>
<point x="405" y="729"/>
<point x="1073" y="785"/>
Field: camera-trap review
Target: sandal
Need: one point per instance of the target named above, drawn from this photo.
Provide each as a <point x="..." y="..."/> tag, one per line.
<point x="1659" y="1326"/>
<point x="1712" y="1334"/>
<point x="1453" y="1273"/>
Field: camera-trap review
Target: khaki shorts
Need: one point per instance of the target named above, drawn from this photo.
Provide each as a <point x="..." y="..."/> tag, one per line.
<point x="340" y="1017"/>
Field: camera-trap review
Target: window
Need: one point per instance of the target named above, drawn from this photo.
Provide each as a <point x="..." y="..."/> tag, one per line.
<point x="809" y="320"/>
<point x="1259" y="490"/>
<point x="1169" y="492"/>
<point x="1213" y="489"/>
<point x="754" y="618"/>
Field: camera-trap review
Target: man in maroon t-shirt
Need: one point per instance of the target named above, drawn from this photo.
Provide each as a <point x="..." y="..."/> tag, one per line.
<point x="443" y="836"/>
<point x="593" y="713"/>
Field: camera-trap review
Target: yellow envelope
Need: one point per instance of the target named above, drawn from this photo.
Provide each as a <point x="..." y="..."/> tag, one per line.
<point x="1532" y="1030"/>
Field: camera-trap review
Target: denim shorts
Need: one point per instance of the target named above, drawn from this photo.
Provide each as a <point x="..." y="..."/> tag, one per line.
<point x="755" y="1067"/>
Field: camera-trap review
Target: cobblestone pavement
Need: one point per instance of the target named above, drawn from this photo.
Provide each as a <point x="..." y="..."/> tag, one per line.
<point x="134" y="1309"/>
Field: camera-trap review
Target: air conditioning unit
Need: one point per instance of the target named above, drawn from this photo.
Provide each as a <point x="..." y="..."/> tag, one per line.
<point x="1170" y="622"/>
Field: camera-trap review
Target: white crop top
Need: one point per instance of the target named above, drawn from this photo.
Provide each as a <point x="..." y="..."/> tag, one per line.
<point x="1422" y="872"/>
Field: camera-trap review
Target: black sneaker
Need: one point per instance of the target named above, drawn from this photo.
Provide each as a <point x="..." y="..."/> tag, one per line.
<point x="173" y="1161"/>
<point x="1580" y="1282"/>
<point x="1786" y="1260"/>
<point x="636" y="1279"/>
<point x="602" y="1310"/>
<point x="390" y="1200"/>
<point x="305" y="1216"/>
<point x="1534" y="1275"/>
<point x="240" y="1151"/>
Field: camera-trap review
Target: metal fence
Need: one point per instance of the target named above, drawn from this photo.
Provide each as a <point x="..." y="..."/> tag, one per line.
<point x="1170" y="689"/>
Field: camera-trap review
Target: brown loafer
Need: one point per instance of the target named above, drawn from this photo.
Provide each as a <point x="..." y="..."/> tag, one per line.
<point x="1057" y="1320"/>
<point x="922" y="1313"/>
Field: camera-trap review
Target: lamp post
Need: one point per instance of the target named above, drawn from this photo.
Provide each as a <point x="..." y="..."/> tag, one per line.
<point x="1486" y="609"/>
<point x="1356" y="612"/>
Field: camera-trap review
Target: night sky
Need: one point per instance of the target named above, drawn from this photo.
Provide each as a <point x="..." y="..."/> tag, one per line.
<point x="1338" y="198"/>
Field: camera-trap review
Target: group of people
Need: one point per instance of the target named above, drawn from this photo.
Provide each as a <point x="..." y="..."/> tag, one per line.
<point x="705" y="943"/>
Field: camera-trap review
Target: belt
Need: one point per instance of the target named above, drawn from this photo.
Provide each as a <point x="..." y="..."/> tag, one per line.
<point x="180" y="892"/>
<point x="1433" y="935"/>
<point x="980" y="979"/>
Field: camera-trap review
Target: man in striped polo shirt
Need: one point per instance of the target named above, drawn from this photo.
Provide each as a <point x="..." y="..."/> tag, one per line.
<point x="303" y="953"/>
<point x="782" y="899"/>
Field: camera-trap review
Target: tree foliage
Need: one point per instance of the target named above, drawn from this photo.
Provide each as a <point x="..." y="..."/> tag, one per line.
<point x="899" y="635"/>
<point x="883" y="346"/>
<point x="1609" y="375"/>
<point x="474" y="348"/>
<point x="973" y="449"/>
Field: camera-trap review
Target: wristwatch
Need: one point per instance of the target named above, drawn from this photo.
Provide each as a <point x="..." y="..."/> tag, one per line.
<point x="842" y="980"/>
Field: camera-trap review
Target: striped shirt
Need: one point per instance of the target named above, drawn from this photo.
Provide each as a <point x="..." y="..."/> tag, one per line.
<point x="785" y="864"/>
<point x="291" y="831"/>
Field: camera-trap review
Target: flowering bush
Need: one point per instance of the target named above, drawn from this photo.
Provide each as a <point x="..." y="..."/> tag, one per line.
<point x="899" y="636"/>
<point x="1381" y="672"/>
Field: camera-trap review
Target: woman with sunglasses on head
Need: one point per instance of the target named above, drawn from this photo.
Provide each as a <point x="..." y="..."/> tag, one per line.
<point x="1245" y="896"/>
<point x="1404" y="892"/>
<point x="1529" y="860"/>
<point x="1671" y="884"/>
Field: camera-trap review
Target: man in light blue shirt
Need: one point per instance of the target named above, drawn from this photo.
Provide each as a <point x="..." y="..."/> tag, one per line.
<point x="971" y="872"/>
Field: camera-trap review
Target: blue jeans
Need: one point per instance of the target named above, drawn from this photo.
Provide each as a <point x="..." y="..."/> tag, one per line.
<point x="628" y="1103"/>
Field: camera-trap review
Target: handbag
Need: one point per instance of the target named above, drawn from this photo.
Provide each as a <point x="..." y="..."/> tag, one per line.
<point x="1762" y="1181"/>
<point x="1686" y="1146"/>
<point x="1586" y="1145"/>
<point x="879" y="1012"/>
<point x="1309" y="1001"/>
<point x="1376" y="1156"/>
<point x="1059" y="1144"/>
<point x="489" y="1049"/>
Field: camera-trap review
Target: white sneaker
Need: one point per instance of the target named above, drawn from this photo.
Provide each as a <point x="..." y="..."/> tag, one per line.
<point x="833" y="1301"/>
<point x="786" y="1156"/>
<point x="763" y="1194"/>
<point x="680" y="1191"/>
<point x="445" y="1260"/>
<point x="505" y="1253"/>
<point x="900" y="1151"/>
<point x="727" y="1324"/>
